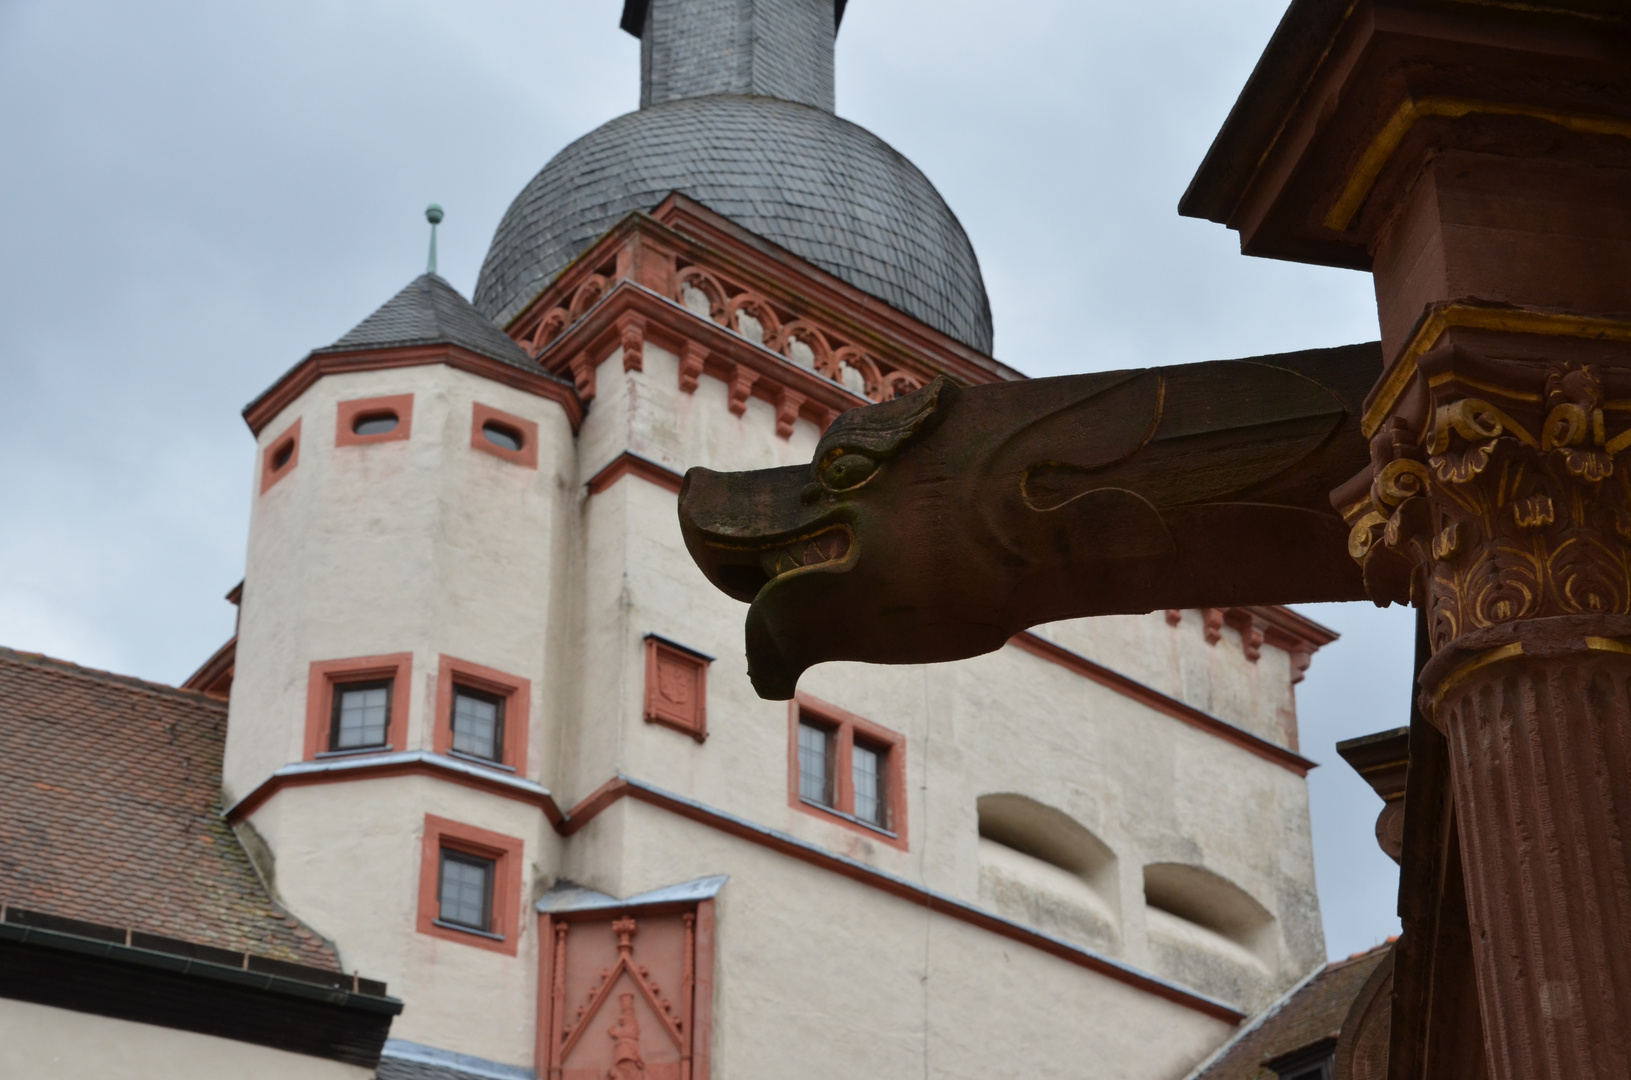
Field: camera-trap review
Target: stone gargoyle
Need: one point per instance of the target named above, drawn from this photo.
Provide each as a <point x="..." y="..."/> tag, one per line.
<point x="938" y="525"/>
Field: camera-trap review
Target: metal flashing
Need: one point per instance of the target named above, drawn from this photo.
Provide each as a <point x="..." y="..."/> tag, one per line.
<point x="567" y="898"/>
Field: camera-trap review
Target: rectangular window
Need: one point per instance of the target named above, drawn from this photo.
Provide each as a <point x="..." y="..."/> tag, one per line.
<point x="465" y="894"/>
<point x="481" y="715"/>
<point x="847" y="769"/>
<point x="362" y="715"/>
<point x="871" y="805"/>
<point x="816" y="772"/>
<point x="478" y="723"/>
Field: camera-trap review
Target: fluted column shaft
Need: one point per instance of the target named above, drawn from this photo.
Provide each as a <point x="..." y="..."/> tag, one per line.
<point x="1538" y="720"/>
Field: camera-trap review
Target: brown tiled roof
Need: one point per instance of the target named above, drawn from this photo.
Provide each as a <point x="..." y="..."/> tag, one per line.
<point x="1312" y="1012"/>
<point x="110" y="811"/>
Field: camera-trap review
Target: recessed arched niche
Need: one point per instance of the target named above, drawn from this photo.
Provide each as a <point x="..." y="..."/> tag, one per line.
<point x="1042" y="867"/>
<point x="1208" y="932"/>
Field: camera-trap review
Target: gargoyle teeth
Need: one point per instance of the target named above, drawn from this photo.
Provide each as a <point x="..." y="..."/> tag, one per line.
<point x="830" y="545"/>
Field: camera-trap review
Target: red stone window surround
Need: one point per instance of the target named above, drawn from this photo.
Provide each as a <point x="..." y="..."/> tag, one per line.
<point x="490" y="428"/>
<point x="366" y="412"/>
<point x="838" y="804"/>
<point x="327" y="675"/>
<point x="280" y="457"/>
<point x="512" y="692"/>
<point x="677" y="687"/>
<point x="504" y="902"/>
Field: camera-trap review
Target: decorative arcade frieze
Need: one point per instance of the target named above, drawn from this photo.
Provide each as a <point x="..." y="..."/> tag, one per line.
<point x="761" y="321"/>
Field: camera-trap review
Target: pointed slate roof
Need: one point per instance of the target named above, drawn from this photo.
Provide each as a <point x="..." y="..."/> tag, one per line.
<point x="429" y="311"/>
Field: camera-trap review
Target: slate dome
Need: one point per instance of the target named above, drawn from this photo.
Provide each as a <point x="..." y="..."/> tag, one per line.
<point x="825" y="189"/>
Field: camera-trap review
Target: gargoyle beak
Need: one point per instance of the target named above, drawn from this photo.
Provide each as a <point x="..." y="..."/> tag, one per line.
<point x="751" y="530"/>
<point x="732" y="521"/>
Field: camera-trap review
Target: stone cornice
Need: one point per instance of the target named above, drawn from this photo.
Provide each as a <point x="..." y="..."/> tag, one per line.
<point x="683" y="238"/>
<point x="748" y="368"/>
<point x="260" y="412"/>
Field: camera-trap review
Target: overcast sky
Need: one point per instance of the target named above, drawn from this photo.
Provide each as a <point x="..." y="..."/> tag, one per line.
<point x="196" y="194"/>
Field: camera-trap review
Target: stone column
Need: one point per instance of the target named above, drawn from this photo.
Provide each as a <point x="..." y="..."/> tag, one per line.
<point x="1509" y="525"/>
<point x="1476" y="158"/>
<point x="1538" y="719"/>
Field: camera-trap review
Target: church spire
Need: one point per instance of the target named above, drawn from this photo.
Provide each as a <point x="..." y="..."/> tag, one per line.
<point x="777" y="48"/>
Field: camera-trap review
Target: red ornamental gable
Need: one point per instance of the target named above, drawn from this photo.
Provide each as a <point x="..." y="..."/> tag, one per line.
<point x="624" y="998"/>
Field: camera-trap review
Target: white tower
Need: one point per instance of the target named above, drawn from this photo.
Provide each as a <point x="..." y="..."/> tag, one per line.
<point x="407" y="564"/>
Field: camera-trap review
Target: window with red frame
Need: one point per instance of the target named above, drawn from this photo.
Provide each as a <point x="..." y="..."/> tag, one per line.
<point x="482" y="714"/>
<point x="847" y="767"/>
<point x="470" y="885"/>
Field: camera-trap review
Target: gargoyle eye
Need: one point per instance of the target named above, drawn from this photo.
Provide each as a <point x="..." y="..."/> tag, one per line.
<point x="848" y="470"/>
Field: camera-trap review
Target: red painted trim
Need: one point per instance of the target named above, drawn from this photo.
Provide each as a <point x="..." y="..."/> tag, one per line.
<point x="545" y="1033"/>
<point x="1155" y="699"/>
<point x="681" y="227"/>
<point x="505" y="851"/>
<point x="291" y="439"/>
<point x="619" y="787"/>
<point x="349" y="412"/>
<point x="591" y="805"/>
<point x="515" y="692"/>
<point x="631" y="464"/>
<point x="214" y="676"/>
<point x="847" y="725"/>
<point x="385" y="770"/>
<point x="526" y="457"/>
<point x="699" y="1028"/>
<point x="266" y="408"/>
<point x="610" y="792"/>
<point x="731" y="358"/>
<point x="693" y="722"/>
<point x="702" y="993"/>
<point x="326" y="674"/>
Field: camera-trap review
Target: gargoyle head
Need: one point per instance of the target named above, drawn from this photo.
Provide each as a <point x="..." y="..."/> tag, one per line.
<point x="935" y="526"/>
<point x="811" y="546"/>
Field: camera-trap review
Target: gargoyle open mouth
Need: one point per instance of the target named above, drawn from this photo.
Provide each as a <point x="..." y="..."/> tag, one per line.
<point x="827" y="547"/>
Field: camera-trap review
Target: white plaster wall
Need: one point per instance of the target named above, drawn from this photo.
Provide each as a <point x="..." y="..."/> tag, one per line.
<point x="854" y="982"/>
<point x="39" y="1041"/>
<point x="428" y="546"/>
<point x="1151" y="787"/>
<point x="1177" y="660"/>
<point x="348" y="860"/>
<point x="424" y="545"/>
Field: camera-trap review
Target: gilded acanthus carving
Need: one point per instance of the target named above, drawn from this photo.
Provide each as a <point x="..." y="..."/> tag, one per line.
<point x="1507" y="506"/>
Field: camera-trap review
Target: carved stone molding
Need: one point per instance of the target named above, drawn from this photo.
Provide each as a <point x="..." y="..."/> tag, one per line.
<point x="1299" y="638"/>
<point x="693" y="358"/>
<point x="1362" y="1048"/>
<point x="839" y="348"/>
<point x="1505" y="500"/>
<point x="631" y="330"/>
<point x="623" y="996"/>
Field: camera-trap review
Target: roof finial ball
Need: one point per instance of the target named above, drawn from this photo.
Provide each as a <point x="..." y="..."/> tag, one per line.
<point x="433" y="214"/>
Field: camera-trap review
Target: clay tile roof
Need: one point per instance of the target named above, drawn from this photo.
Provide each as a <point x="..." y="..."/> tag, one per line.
<point x="429" y="311"/>
<point x="1312" y="1011"/>
<point x="110" y="812"/>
